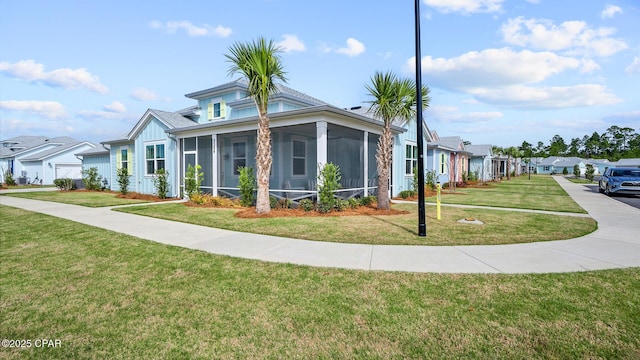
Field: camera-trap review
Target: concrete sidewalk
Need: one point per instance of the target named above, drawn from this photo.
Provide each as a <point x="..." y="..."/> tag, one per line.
<point x="616" y="243"/>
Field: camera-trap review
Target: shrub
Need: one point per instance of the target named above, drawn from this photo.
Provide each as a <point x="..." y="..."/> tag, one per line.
<point x="247" y="184"/>
<point x="105" y="184"/>
<point x="414" y="181"/>
<point x="353" y="203"/>
<point x="328" y="183"/>
<point x="283" y="204"/>
<point x="407" y="193"/>
<point x="193" y="179"/>
<point x="431" y="179"/>
<point x="123" y="180"/>
<point x="8" y="178"/>
<point x="64" y="184"/>
<point x="91" y="179"/>
<point x="306" y="205"/>
<point x="589" y="172"/>
<point x="341" y="204"/>
<point x="576" y="170"/>
<point x="161" y="183"/>
<point x="209" y="200"/>
<point x="565" y="171"/>
<point x="368" y="200"/>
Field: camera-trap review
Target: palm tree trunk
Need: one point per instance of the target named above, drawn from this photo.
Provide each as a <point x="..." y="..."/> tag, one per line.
<point x="263" y="163"/>
<point x="508" y="167"/>
<point x="383" y="161"/>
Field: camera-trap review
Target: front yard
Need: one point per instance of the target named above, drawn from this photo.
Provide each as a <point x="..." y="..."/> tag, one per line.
<point x="542" y="192"/>
<point x="500" y="227"/>
<point x="80" y="197"/>
<point x="112" y="296"/>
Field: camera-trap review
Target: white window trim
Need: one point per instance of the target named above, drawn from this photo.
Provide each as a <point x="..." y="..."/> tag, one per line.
<point x="442" y="163"/>
<point x="304" y="141"/>
<point x="412" y="144"/>
<point x="155" y="159"/>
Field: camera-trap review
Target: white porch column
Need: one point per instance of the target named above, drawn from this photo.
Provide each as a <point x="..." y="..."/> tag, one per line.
<point x="366" y="163"/>
<point x="214" y="165"/>
<point x="321" y="144"/>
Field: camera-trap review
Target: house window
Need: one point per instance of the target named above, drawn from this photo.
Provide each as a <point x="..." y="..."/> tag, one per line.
<point x="547" y="168"/>
<point x="216" y="110"/>
<point x="239" y="156"/>
<point x="154" y="157"/>
<point x="442" y="163"/>
<point x="410" y="159"/>
<point x="299" y="157"/>
<point x="124" y="158"/>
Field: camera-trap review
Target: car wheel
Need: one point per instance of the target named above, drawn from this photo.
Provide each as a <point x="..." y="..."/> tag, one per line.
<point x="607" y="190"/>
<point x="600" y="190"/>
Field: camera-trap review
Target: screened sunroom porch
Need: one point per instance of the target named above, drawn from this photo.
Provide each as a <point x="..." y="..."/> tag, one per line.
<point x="297" y="151"/>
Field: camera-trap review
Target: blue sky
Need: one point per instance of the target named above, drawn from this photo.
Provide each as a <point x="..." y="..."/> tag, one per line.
<point x="500" y="71"/>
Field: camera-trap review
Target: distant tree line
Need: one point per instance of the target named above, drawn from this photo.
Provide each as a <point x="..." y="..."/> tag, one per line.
<point x="614" y="144"/>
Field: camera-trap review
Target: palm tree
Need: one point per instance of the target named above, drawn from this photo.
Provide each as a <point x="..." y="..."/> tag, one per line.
<point x="393" y="98"/>
<point x="260" y="64"/>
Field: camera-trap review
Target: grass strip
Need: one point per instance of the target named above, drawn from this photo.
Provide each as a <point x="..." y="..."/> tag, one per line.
<point x="108" y="295"/>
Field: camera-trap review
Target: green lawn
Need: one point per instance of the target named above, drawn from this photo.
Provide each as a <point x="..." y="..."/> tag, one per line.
<point x="83" y="198"/>
<point x="110" y="296"/>
<point x="542" y="192"/>
<point x="501" y="227"/>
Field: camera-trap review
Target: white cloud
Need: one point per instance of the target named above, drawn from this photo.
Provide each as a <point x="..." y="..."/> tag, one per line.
<point x="110" y="115"/>
<point x="572" y="37"/>
<point x="172" y="27"/>
<point x="354" y="48"/>
<point x="555" y="97"/>
<point x="47" y="109"/>
<point x="143" y="94"/>
<point x="115" y="107"/>
<point x="466" y="6"/>
<point x="634" y="67"/>
<point x="534" y="1"/>
<point x="290" y="43"/>
<point x="31" y="71"/>
<point x="610" y="11"/>
<point x="492" y="68"/>
<point x="450" y="114"/>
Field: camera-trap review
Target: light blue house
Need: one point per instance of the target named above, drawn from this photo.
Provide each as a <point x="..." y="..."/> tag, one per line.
<point x="557" y="165"/>
<point x="219" y="134"/>
<point x="40" y="159"/>
<point x="480" y="161"/>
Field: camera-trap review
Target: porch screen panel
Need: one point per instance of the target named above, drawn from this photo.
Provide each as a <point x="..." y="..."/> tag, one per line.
<point x="373" y="166"/>
<point x="205" y="160"/>
<point x="345" y="148"/>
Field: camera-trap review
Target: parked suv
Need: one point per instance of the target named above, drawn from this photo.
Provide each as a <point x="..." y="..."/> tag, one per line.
<point x="620" y="181"/>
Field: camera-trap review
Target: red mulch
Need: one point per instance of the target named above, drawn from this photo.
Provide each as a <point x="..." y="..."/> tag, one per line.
<point x="250" y="213"/>
<point x="138" y="196"/>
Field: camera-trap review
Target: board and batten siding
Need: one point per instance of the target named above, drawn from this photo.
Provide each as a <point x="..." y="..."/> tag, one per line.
<point x="100" y="162"/>
<point x="154" y="133"/>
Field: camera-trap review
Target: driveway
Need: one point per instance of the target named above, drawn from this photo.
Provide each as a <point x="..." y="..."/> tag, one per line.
<point x="626" y="199"/>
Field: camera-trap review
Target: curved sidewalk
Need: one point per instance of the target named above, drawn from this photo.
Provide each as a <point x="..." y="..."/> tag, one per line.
<point x="616" y="243"/>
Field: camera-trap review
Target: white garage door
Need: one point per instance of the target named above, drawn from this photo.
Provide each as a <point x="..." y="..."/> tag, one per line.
<point x="69" y="171"/>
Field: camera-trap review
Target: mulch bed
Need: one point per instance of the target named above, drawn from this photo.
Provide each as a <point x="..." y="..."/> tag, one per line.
<point x="138" y="196"/>
<point x="250" y="213"/>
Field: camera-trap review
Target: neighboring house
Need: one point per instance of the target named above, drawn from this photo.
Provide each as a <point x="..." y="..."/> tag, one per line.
<point x="450" y="151"/>
<point x="626" y="163"/>
<point x="219" y="134"/>
<point x="40" y="159"/>
<point x="480" y="160"/>
<point x="97" y="157"/>
<point x="438" y="158"/>
<point x="557" y="165"/>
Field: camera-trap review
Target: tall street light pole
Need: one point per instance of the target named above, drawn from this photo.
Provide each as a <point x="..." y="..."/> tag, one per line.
<point x="422" y="223"/>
